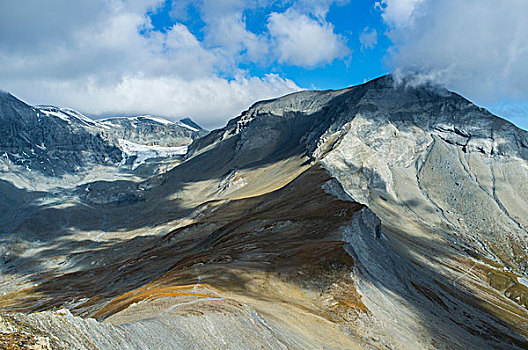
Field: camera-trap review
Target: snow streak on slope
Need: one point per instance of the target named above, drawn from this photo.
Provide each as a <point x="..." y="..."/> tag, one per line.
<point x="66" y="114"/>
<point x="135" y="120"/>
<point x="187" y="126"/>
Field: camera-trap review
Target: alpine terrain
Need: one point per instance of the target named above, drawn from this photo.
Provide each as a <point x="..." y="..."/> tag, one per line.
<point x="382" y="216"/>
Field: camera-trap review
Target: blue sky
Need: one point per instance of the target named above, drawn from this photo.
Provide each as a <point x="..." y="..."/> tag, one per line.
<point x="211" y="59"/>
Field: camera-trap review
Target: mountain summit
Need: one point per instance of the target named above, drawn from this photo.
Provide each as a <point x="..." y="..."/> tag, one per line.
<point x="379" y="216"/>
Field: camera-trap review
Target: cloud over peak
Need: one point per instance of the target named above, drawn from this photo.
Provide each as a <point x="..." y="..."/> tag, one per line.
<point x="106" y="56"/>
<point x="476" y="47"/>
<point x="173" y="57"/>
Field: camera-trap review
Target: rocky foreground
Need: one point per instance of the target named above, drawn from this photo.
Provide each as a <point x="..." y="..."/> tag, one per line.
<point x="378" y="216"/>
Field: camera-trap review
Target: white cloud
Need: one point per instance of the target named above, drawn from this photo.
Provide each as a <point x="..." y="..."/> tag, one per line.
<point x="225" y="28"/>
<point x="226" y="31"/>
<point x="208" y="100"/>
<point x="368" y="39"/>
<point x="103" y="57"/>
<point x="399" y="13"/>
<point x="304" y="41"/>
<point x="476" y="47"/>
<point x="317" y="8"/>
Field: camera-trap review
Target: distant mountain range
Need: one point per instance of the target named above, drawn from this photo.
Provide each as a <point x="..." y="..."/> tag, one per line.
<point x="57" y="141"/>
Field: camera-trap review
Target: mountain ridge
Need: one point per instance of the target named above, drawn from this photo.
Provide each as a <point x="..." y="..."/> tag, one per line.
<point x="46" y="143"/>
<point x="385" y="215"/>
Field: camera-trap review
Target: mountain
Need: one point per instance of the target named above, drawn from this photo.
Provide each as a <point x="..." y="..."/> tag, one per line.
<point x="189" y="123"/>
<point x="150" y="130"/>
<point x="51" y="140"/>
<point x="59" y="142"/>
<point x="379" y="216"/>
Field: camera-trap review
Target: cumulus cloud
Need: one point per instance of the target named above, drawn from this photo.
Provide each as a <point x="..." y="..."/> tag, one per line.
<point x="476" y="47"/>
<point x="317" y="8"/>
<point x="301" y="29"/>
<point x="368" y="39"/>
<point x="303" y="40"/>
<point x="399" y="13"/>
<point x="225" y="29"/>
<point x="104" y="57"/>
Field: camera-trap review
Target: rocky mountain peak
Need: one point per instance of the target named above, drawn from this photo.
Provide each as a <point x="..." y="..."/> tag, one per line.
<point x="152" y="130"/>
<point x="378" y="137"/>
<point x="381" y="104"/>
<point x="56" y="141"/>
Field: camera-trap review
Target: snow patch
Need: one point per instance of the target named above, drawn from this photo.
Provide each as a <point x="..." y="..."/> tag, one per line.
<point x="143" y="152"/>
<point x="65" y="114"/>
<point x="134" y="121"/>
<point x="186" y="126"/>
<point x="78" y="116"/>
<point x="56" y="114"/>
<point x="156" y="119"/>
<point x="139" y="118"/>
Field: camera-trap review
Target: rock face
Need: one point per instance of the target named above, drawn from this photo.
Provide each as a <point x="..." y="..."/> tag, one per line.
<point x="59" y="142"/>
<point x="378" y="216"/>
<point x="151" y="131"/>
<point x="51" y="140"/>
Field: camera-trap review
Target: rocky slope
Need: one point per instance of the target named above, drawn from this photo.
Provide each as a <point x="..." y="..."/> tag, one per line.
<point x="379" y="216"/>
<point x="443" y="160"/>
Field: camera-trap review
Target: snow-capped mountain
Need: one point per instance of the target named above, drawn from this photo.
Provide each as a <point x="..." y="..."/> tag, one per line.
<point x="153" y="131"/>
<point x="50" y="140"/>
<point x="57" y="141"/>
